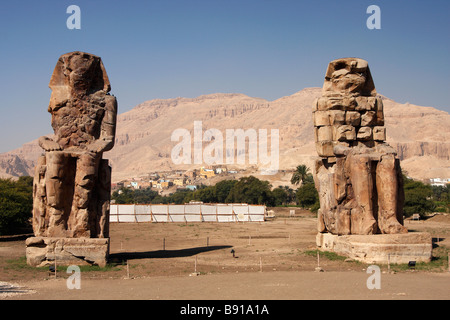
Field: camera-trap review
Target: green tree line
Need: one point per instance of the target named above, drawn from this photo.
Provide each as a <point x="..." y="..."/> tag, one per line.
<point x="249" y="190"/>
<point x="422" y="198"/>
<point x="16" y="203"/>
<point x="16" y="200"/>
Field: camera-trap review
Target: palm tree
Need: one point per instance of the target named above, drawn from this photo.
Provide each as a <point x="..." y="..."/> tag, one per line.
<point x="300" y="174"/>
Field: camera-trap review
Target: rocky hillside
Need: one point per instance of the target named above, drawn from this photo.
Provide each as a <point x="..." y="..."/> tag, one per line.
<point x="421" y="135"/>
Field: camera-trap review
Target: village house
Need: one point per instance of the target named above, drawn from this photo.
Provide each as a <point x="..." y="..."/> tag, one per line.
<point x="164" y="184"/>
<point x="179" y="181"/>
<point x="207" y="173"/>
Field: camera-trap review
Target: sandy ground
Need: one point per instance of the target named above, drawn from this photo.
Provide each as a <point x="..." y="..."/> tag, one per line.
<point x="273" y="260"/>
<point x="283" y="285"/>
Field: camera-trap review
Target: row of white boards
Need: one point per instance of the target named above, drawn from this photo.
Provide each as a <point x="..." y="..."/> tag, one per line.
<point x="187" y="213"/>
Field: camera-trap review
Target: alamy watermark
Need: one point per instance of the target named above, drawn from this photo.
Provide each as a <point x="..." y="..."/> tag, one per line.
<point x="374" y="281"/>
<point x="374" y="20"/>
<point x="74" y="280"/>
<point x="214" y="152"/>
<point x="74" y="20"/>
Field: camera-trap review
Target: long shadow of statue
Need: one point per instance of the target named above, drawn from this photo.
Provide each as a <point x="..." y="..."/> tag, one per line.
<point x="124" y="256"/>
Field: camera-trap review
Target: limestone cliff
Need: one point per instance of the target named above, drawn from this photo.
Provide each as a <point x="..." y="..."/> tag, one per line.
<point x="420" y="135"/>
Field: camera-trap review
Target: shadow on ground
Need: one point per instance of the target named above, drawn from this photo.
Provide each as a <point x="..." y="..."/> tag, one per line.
<point x="11" y="289"/>
<point x="123" y="256"/>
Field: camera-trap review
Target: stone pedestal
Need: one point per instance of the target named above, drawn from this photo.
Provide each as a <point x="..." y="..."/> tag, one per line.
<point x="42" y="251"/>
<point x="379" y="248"/>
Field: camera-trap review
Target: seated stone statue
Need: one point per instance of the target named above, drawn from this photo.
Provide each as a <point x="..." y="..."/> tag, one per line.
<point x="72" y="182"/>
<point x="358" y="175"/>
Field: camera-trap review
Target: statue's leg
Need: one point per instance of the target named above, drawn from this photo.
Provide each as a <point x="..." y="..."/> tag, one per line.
<point x="39" y="199"/>
<point x="57" y="200"/>
<point x="343" y="215"/>
<point x="318" y="180"/>
<point x="85" y="181"/>
<point x="104" y="197"/>
<point x="388" y="196"/>
<point x="362" y="218"/>
<point x="323" y="178"/>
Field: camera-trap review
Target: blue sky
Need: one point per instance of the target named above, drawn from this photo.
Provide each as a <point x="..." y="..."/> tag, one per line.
<point x="186" y="48"/>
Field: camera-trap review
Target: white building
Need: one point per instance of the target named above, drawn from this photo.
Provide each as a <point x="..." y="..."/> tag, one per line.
<point x="440" y="182"/>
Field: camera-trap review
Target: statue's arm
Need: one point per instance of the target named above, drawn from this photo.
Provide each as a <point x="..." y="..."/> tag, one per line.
<point x="108" y="127"/>
<point x="48" y="144"/>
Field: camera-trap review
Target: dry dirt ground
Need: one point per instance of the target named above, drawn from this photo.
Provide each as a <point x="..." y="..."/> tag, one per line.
<point x="272" y="260"/>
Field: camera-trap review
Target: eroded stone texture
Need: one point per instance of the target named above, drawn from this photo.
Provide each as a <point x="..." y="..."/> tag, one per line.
<point x="358" y="175"/>
<point x="379" y="248"/>
<point x="42" y="251"/>
<point x="72" y="182"/>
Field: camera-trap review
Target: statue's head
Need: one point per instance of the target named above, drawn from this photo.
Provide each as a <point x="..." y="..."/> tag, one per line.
<point x="76" y="75"/>
<point x="349" y="76"/>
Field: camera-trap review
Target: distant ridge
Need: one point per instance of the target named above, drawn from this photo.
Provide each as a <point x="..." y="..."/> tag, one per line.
<point x="421" y="135"/>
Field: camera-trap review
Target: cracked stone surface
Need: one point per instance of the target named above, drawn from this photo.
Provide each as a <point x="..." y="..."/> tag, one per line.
<point x="357" y="174"/>
<point x="72" y="182"/>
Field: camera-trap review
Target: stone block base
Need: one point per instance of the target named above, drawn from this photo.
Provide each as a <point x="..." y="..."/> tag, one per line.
<point x="42" y="251"/>
<point x="379" y="248"/>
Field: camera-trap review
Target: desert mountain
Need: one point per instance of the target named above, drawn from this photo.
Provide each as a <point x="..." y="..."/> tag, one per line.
<point x="421" y="135"/>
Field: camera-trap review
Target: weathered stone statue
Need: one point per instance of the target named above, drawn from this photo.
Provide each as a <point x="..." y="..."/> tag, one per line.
<point x="72" y="182"/>
<point x="358" y="176"/>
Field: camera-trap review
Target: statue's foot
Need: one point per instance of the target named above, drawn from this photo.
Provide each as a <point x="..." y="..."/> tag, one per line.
<point x="391" y="226"/>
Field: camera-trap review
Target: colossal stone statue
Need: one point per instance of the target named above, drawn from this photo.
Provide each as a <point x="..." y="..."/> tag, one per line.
<point x="358" y="175"/>
<point x="72" y="182"/>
